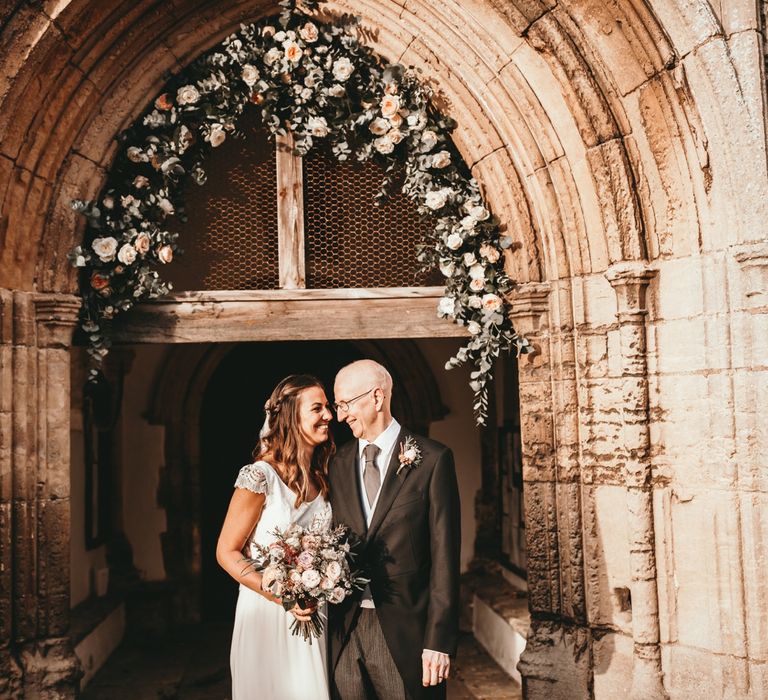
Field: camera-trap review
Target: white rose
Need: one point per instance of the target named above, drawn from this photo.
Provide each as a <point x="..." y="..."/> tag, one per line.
<point x="165" y="205"/>
<point x="309" y="33"/>
<point x="142" y="243"/>
<point x="127" y="254"/>
<point x="479" y="213"/>
<point x="80" y="261"/>
<point x="441" y="159"/>
<point x="384" y="144"/>
<point x="217" y="135"/>
<point x="317" y="126"/>
<point x="417" y="120"/>
<point x="333" y="571"/>
<point x="490" y="253"/>
<point x="469" y="259"/>
<point x="336" y="90"/>
<point x="342" y="69"/>
<point x="474" y="301"/>
<point x="454" y="241"/>
<point x="477" y="285"/>
<point x="428" y="140"/>
<point x="108" y="202"/>
<point x="295" y="577"/>
<point x="310" y="578"/>
<point x="491" y="302"/>
<point x="250" y="74"/>
<point x="280" y="36"/>
<point x="165" y="254"/>
<point x="446" y="306"/>
<point x="293" y="51"/>
<point x="468" y="223"/>
<point x="389" y="105"/>
<point x="477" y="271"/>
<point x="105" y="248"/>
<point x="136" y="155"/>
<point x="187" y="95"/>
<point x="447" y="268"/>
<point x="272" y="56"/>
<point x="326" y="584"/>
<point x="474" y="327"/>
<point x="436" y="199"/>
<point x="379" y="126"/>
<point x="306" y="93"/>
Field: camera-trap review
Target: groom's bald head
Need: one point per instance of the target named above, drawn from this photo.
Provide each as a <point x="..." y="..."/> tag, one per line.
<point x="371" y="413"/>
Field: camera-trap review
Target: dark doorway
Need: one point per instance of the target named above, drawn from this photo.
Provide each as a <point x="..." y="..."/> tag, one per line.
<point x="231" y="416"/>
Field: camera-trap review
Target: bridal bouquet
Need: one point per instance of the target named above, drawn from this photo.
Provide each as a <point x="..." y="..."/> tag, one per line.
<point x="306" y="567"/>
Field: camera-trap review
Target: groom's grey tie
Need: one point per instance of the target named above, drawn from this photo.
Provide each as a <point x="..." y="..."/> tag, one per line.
<point x="371" y="475"/>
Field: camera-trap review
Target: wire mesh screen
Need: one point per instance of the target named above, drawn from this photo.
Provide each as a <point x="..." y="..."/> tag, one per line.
<point x="351" y="242"/>
<point x="230" y="238"/>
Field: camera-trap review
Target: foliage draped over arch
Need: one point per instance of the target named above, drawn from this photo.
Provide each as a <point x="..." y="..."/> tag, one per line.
<point x="318" y="81"/>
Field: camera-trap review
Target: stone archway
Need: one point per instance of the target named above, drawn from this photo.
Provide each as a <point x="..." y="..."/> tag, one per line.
<point x="612" y="137"/>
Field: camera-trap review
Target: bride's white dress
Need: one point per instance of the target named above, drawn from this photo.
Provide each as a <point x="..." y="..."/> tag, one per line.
<point x="267" y="661"/>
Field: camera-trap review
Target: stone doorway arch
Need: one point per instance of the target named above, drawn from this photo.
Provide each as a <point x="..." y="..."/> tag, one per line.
<point x="612" y="137"/>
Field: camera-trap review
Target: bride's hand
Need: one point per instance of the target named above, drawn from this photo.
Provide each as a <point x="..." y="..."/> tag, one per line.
<point x="303" y="614"/>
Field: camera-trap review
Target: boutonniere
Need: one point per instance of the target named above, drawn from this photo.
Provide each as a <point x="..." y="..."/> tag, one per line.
<point x="410" y="454"/>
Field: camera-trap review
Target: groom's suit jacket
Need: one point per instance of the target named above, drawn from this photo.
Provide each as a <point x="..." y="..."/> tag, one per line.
<point x="410" y="552"/>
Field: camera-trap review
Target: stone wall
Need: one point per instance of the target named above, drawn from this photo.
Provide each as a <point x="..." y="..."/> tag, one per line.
<point x="624" y="144"/>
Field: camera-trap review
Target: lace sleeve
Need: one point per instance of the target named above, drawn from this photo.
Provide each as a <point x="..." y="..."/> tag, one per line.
<point x="253" y="478"/>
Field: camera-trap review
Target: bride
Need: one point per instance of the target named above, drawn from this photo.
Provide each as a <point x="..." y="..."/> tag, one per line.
<point x="287" y="484"/>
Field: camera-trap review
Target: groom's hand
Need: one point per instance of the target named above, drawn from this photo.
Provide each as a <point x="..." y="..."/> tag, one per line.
<point x="435" y="667"/>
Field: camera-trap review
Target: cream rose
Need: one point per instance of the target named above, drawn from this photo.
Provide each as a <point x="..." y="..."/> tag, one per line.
<point x="436" y="199"/>
<point x="389" y="105"/>
<point x="379" y="126"/>
<point x="142" y="243"/>
<point x="384" y="144"/>
<point x="140" y="181"/>
<point x="474" y="301"/>
<point x="446" y="306"/>
<point x="477" y="272"/>
<point x="428" y="140"/>
<point x="293" y="51"/>
<point x="338" y="595"/>
<point x="105" y="248"/>
<point x="310" y="578"/>
<point x="477" y="285"/>
<point x="342" y="69"/>
<point x="454" y="241"/>
<point x="490" y="253"/>
<point x="468" y="223"/>
<point x="491" y="302"/>
<point x="317" y="126"/>
<point x="469" y="259"/>
<point x="127" y="254"/>
<point x="272" y="56"/>
<point x="441" y="159"/>
<point x="333" y="571"/>
<point x="336" y="90"/>
<point x="136" y="155"/>
<point x="447" y="268"/>
<point x="187" y="95"/>
<point x="268" y="31"/>
<point x="474" y="327"/>
<point x="217" y="135"/>
<point x="309" y="33"/>
<point x="479" y="213"/>
<point x="165" y="254"/>
<point x="396" y="120"/>
<point x="250" y="74"/>
<point x="395" y="135"/>
<point x="166" y="205"/>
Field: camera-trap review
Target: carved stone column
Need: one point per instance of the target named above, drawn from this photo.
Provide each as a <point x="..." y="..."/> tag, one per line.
<point x="630" y="281"/>
<point x="40" y="329"/>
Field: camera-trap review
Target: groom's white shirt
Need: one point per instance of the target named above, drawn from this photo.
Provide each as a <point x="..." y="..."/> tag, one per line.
<point x="386" y="444"/>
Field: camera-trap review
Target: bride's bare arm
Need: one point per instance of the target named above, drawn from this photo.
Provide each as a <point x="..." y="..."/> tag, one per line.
<point x="243" y="515"/>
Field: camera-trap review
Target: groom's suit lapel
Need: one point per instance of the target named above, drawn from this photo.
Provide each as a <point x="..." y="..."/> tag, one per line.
<point x="393" y="482"/>
<point x="351" y="486"/>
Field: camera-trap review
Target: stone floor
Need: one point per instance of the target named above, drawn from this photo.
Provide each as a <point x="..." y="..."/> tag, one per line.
<point x="193" y="664"/>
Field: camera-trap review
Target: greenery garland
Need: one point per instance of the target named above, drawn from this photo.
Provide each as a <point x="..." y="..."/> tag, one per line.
<point x="319" y="82"/>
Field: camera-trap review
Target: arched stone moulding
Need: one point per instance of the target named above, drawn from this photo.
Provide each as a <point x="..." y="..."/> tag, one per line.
<point x="601" y="132"/>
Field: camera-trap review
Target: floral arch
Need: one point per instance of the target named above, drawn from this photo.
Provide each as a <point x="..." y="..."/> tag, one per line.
<point x="311" y="82"/>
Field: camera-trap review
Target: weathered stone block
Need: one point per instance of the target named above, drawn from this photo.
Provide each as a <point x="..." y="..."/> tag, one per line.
<point x="612" y="658"/>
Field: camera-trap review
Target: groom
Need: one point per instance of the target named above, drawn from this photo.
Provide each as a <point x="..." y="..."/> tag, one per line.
<point x="397" y="491"/>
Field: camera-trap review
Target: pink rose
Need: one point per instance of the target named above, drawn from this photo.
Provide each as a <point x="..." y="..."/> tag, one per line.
<point x="165" y="254"/>
<point x="305" y="560"/>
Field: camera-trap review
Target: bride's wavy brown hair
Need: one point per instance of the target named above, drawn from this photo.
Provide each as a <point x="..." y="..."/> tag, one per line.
<point x="282" y="442"/>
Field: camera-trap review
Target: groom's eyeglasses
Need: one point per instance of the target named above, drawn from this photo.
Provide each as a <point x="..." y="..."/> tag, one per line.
<point x="344" y="405"/>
